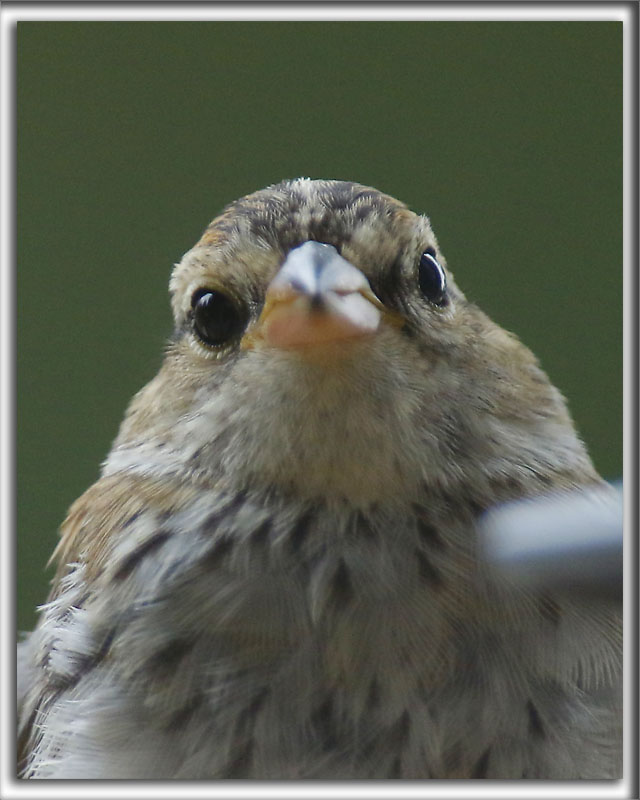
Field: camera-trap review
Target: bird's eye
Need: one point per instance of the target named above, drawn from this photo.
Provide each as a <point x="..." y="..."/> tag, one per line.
<point x="216" y="319"/>
<point x="431" y="277"/>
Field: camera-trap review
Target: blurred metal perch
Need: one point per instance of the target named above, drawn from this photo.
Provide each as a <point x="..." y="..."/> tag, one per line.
<point x="570" y="542"/>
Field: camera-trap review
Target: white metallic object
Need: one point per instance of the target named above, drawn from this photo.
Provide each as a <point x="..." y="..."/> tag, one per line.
<point x="570" y="541"/>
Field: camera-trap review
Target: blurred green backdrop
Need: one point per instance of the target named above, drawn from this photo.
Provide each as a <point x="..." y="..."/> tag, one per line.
<point x="131" y="136"/>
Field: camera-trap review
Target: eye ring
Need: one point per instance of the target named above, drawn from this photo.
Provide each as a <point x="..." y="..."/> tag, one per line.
<point x="216" y="318"/>
<point x="432" y="279"/>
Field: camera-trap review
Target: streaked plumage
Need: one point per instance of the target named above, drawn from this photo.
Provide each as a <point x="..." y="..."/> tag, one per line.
<point x="276" y="575"/>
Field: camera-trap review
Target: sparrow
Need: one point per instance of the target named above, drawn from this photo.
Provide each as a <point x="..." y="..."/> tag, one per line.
<point x="277" y="574"/>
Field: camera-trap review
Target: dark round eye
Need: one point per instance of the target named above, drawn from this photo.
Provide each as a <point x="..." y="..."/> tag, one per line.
<point x="215" y="318"/>
<point x="431" y="277"/>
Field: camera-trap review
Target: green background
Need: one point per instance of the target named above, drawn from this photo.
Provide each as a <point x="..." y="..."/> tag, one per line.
<point x="132" y="136"/>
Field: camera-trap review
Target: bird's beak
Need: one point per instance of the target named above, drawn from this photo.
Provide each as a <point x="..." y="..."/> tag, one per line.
<point x="316" y="298"/>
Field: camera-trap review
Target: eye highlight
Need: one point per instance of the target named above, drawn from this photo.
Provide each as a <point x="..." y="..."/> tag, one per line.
<point x="216" y="319"/>
<point x="431" y="278"/>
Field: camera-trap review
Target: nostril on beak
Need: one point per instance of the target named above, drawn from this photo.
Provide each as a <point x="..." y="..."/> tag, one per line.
<point x="297" y="286"/>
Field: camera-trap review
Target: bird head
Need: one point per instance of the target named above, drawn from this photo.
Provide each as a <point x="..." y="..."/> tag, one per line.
<point x="322" y="346"/>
